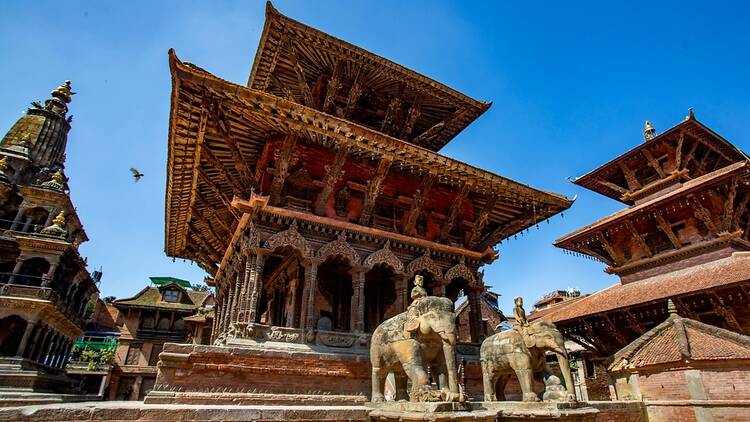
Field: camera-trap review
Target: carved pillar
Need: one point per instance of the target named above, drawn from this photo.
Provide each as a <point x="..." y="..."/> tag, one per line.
<point x="47" y="278"/>
<point x="17" y="219"/>
<point x="34" y="342"/>
<point x="311" y="281"/>
<point x="25" y="339"/>
<point x="49" y="353"/>
<point x="254" y="270"/>
<point x="402" y="290"/>
<point x="475" y="315"/>
<point x="40" y="345"/>
<point x="16" y="269"/>
<point x="236" y="306"/>
<point x="358" y="300"/>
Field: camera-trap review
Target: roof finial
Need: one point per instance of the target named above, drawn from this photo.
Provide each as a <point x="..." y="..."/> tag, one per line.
<point x="64" y="92"/>
<point x="691" y="114"/>
<point x="671" y="308"/>
<point x="648" y="131"/>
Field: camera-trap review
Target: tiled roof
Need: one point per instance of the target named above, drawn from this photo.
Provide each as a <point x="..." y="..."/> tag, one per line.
<point x="678" y="340"/>
<point x="733" y="269"/>
<point x="150" y="297"/>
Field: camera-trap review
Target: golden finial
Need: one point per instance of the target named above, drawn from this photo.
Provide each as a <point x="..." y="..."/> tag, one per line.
<point x="671" y="308"/>
<point x="60" y="219"/>
<point x="64" y="92"/>
<point x="648" y="131"/>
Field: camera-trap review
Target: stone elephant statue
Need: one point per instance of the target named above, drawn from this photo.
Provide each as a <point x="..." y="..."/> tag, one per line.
<point x="520" y="350"/>
<point x="409" y="343"/>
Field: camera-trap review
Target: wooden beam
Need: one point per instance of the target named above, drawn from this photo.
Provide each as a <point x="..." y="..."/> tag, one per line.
<point x="613" y="186"/>
<point x="506" y="230"/>
<point x="678" y="151"/>
<point x="633" y="183"/>
<point x="726" y="312"/>
<point x="633" y="323"/>
<point x="638" y="238"/>
<point x="593" y="337"/>
<point x="240" y="164"/>
<point x="612" y="328"/>
<point x="666" y="228"/>
<point x="417" y="203"/>
<point x="481" y="222"/>
<point x="374" y="188"/>
<point x="453" y="212"/>
<point x="726" y="220"/>
<point x="739" y="211"/>
<point x="411" y="118"/>
<point x="690" y="155"/>
<point x="334" y="84"/>
<point x="653" y="163"/>
<point x="704" y="161"/>
<point x="217" y="192"/>
<point x="389" y="121"/>
<point x="354" y="93"/>
<point x="702" y="214"/>
<point x="204" y="243"/>
<point x="616" y="258"/>
<point x="333" y="175"/>
<point x="281" y="165"/>
<point x="300" y="73"/>
<point x="428" y="134"/>
<point x="200" y="218"/>
<point x="288" y="94"/>
<point x="216" y="164"/>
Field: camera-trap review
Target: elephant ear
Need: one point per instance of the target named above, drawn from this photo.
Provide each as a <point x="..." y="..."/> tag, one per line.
<point x="528" y="339"/>
<point x="411" y="325"/>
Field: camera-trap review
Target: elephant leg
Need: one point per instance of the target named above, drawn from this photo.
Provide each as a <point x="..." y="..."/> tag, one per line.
<point x="378" y="378"/>
<point x="525" y="377"/>
<point x="401" y="382"/>
<point x="500" y="387"/>
<point x="488" y="381"/>
<point x="417" y="375"/>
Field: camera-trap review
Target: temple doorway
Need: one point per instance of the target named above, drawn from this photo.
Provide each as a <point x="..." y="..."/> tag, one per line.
<point x="335" y="290"/>
<point x="380" y="295"/>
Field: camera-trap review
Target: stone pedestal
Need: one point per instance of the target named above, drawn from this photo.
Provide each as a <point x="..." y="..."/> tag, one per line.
<point x="482" y="411"/>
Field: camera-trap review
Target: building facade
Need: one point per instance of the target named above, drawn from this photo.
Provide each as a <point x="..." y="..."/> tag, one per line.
<point x="154" y="316"/>
<point x="313" y="196"/>
<point x="44" y="285"/>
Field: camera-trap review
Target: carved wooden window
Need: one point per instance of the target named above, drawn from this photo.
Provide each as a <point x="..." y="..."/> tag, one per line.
<point x="154" y="358"/>
<point x="148" y="322"/>
<point x="134" y="354"/>
<point x="171" y="295"/>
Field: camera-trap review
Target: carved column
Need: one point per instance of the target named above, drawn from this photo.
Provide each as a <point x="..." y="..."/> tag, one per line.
<point x="475" y="315"/>
<point x="16" y="269"/>
<point x="402" y="290"/>
<point x="237" y="305"/>
<point x="358" y="300"/>
<point x="311" y="281"/>
<point x="47" y="278"/>
<point x="254" y="275"/>
<point x="25" y="339"/>
<point x="17" y="219"/>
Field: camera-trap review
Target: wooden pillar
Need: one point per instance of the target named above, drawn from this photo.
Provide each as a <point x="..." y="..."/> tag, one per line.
<point x="358" y="300"/>
<point x="25" y="339"/>
<point x="475" y="315"/>
<point x="17" y="219"/>
<point x="311" y="282"/>
<point x="47" y="278"/>
<point x="34" y="343"/>
<point x="402" y="287"/>
<point x="254" y="271"/>
<point x="16" y="269"/>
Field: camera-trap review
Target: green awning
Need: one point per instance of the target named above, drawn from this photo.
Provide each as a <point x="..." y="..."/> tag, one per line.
<point x="158" y="281"/>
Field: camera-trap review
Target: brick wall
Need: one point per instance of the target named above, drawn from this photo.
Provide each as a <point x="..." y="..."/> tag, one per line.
<point x="670" y="385"/>
<point x="620" y="411"/>
<point x="728" y="384"/>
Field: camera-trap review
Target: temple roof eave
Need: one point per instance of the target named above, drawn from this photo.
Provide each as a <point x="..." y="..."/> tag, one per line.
<point x="338" y="129"/>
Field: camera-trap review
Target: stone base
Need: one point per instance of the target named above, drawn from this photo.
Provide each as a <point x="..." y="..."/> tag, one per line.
<point x="482" y="411"/>
<point x="12" y="399"/>
<point x="23" y="375"/>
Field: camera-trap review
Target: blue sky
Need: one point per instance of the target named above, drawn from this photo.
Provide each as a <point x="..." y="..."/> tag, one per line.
<point x="571" y="85"/>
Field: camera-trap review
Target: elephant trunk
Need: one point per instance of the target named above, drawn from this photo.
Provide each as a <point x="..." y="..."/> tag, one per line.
<point x="449" y="349"/>
<point x="562" y="360"/>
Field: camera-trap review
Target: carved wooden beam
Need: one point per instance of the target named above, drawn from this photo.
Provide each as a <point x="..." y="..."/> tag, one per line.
<point x="481" y="221"/>
<point x="333" y="175"/>
<point x="593" y="337"/>
<point x="411" y="118"/>
<point x="204" y="243"/>
<point x="300" y="73"/>
<point x="281" y="165"/>
<point x="726" y="220"/>
<point x="638" y="238"/>
<point x="702" y="214"/>
<point x="216" y="164"/>
<point x="633" y="183"/>
<point x="374" y="188"/>
<point x="739" y="211"/>
<point x="418" y="202"/>
<point x="199" y="218"/>
<point x="288" y="94"/>
<point x="690" y="155"/>
<point x="613" y="186"/>
<point x="506" y="230"/>
<point x="455" y="208"/>
<point x="678" y="150"/>
<point x="240" y="164"/>
<point x="633" y="323"/>
<point x="428" y="134"/>
<point x="616" y="259"/>
<point x="334" y="84"/>
<point x="387" y="126"/>
<point x="726" y="312"/>
<point x="666" y="228"/>
<point x="683" y="308"/>
<point x="653" y="163"/>
<point x="584" y="342"/>
<point x="354" y="93"/>
<point x="214" y="217"/>
<point x="612" y="328"/>
<point x="703" y="162"/>
<point x="217" y="192"/>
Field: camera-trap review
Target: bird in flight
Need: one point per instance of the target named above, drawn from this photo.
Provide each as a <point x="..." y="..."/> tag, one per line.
<point x="136" y="174"/>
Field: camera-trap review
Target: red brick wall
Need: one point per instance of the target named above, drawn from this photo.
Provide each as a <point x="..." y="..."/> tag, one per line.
<point x="730" y="384"/>
<point x="669" y="385"/>
<point x="620" y="411"/>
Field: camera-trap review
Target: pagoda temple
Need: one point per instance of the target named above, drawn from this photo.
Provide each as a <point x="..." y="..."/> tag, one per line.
<point x="313" y="196"/>
<point x="684" y="237"/>
<point x="44" y="284"/>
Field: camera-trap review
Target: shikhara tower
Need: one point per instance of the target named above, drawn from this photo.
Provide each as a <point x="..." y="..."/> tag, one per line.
<point x="44" y="284"/>
<point x="313" y="196"/>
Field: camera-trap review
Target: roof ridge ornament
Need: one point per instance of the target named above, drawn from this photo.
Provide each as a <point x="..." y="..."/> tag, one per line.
<point x="649" y="132"/>
<point x="671" y="307"/>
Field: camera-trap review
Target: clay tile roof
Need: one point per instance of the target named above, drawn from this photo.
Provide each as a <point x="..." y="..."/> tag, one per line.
<point x="150" y="297"/>
<point x="678" y="340"/>
<point x="733" y="269"/>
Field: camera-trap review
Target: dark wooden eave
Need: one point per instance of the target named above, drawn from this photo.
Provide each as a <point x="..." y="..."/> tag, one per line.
<point x="438" y="113"/>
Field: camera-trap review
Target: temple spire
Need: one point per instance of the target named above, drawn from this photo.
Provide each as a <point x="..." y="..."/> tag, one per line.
<point x="649" y="132"/>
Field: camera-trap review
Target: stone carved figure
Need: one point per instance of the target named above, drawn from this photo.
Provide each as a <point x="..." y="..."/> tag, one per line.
<point x="407" y="344"/>
<point x="518" y="312"/>
<point x="520" y="351"/>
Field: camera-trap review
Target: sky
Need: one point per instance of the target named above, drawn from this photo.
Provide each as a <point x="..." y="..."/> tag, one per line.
<point x="571" y="84"/>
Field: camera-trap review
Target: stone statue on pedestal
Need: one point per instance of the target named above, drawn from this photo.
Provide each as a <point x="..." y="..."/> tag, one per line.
<point x="411" y="342"/>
